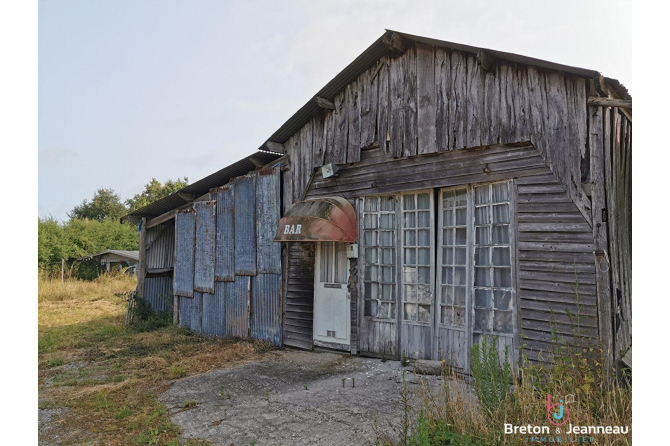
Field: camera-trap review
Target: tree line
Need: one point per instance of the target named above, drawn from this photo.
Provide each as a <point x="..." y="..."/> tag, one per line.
<point x="94" y="226"/>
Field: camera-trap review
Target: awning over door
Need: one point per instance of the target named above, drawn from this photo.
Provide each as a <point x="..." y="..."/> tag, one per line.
<point x="328" y="219"/>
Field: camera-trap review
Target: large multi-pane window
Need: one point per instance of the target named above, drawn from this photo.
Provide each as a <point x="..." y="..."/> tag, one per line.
<point x="379" y="252"/>
<point x="492" y="260"/>
<point x="454" y="257"/>
<point x="417" y="257"/>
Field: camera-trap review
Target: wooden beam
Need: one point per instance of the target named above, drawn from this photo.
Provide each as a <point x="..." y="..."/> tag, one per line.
<point x="187" y="197"/>
<point x="324" y="103"/>
<point x="395" y="43"/>
<point x="256" y="161"/>
<point x="610" y="102"/>
<point x="487" y="61"/>
<point x="272" y="146"/>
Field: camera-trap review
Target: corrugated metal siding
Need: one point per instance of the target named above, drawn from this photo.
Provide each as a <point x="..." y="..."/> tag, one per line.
<point x="185" y="253"/>
<point x="237" y="307"/>
<point x="245" y="225"/>
<point x="266" y="308"/>
<point x="267" y="217"/>
<point x="213" y="314"/>
<point x="158" y="292"/>
<point x="190" y="312"/>
<point x="225" y="234"/>
<point x="205" y="232"/>
<point x="160" y="246"/>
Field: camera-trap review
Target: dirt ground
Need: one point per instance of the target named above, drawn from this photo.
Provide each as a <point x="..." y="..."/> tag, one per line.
<point x="293" y="398"/>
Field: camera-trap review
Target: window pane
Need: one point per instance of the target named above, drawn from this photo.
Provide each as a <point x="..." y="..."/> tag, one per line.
<point x="386" y="221"/>
<point x="482" y="216"/>
<point x="483" y="320"/>
<point x="424" y="313"/>
<point x="500" y="192"/>
<point x="502" y="277"/>
<point x="370" y="204"/>
<point x="423" y="295"/>
<point x="424" y="274"/>
<point x="448" y="218"/>
<point x="503" y="322"/>
<point x="459" y="275"/>
<point x="482" y="195"/>
<point x="460" y="256"/>
<point x="424" y="237"/>
<point x="501" y="235"/>
<point x="408" y="202"/>
<point x="410" y="312"/>
<point x="424" y="256"/>
<point x="502" y="299"/>
<point x="461" y="216"/>
<point x="482" y="298"/>
<point x="370" y="221"/>
<point x="482" y="276"/>
<point x="410" y="220"/>
<point x="461" y="236"/>
<point x="482" y="256"/>
<point x="482" y="236"/>
<point x="387" y="204"/>
<point x="446" y="315"/>
<point x="459" y="296"/>
<point x="424" y="219"/>
<point x="410" y="238"/>
<point x="501" y="213"/>
<point x="501" y="256"/>
<point x="459" y="317"/>
<point x="410" y="256"/>
<point x="423" y="201"/>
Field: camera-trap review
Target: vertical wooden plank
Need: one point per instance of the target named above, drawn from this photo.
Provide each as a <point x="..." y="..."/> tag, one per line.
<point x="268" y="252"/>
<point x="457" y="110"/>
<point x="353" y="121"/>
<point x="205" y="233"/>
<point x="491" y="112"/>
<point x="287" y="190"/>
<point x="443" y="98"/>
<point x="225" y="234"/>
<point x="426" y="118"/>
<point x="383" y="104"/>
<point x="521" y="103"/>
<point x="369" y="91"/>
<point x="306" y="155"/>
<point x="598" y="143"/>
<point x="507" y="94"/>
<point x="409" y="147"/>
<point x="329" y="137"/>
<point x="538" y="104"/>
<point x="245" y="225"/>
<point x="397" y="107"/>
<point x="318" y="140"/>
<point x="474" y="102"/>
<point x="184" y="253"/>
<point x="341" y="129"/>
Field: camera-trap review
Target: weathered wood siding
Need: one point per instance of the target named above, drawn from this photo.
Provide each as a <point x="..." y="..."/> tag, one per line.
<point x="299" y="308"/>
<point x="554" y="242"/>
<point x="431" y="99"/>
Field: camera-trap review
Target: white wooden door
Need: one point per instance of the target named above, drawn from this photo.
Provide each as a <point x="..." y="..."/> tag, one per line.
<point x="331" y="299"/>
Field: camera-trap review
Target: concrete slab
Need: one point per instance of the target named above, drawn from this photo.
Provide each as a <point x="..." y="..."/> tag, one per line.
<point x="293" y="398"/>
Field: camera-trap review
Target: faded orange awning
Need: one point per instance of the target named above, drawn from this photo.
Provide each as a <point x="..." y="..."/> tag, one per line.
<point x="328" y="219"/>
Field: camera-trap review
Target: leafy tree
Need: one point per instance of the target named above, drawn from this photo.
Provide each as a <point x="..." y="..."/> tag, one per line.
<point x="155" y="190"/>
<point x="105" y="205"/>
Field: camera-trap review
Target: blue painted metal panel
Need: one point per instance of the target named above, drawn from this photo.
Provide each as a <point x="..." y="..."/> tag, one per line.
<point x="225" y="234"/>
<point x="158" y="293"/>
<point x="196" y="313"/>
<point x="266" y="308"/>
<point x="205" y="233"/>
<point x="185" y="251"/>
<point x="245" y="225"/>
<point x="213" y="311"/>
<point x="237" y="307"/>
<point x="267" y="217"/>
<point x="185" y="309"/>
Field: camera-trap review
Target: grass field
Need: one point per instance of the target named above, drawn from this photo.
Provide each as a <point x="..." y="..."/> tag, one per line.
<point x="99" y="381"/>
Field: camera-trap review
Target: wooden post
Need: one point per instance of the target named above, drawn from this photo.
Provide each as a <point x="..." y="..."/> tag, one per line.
<point x="62" y="270"/>
<point x="598" y="137"/>
<point x="142" y="265"/>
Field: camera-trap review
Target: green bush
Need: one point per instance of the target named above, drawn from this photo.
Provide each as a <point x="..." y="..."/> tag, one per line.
<point x="491" y="380"/>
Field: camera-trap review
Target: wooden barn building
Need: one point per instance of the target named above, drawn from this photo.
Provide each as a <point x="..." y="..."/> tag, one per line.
<point x="428" y="195"/>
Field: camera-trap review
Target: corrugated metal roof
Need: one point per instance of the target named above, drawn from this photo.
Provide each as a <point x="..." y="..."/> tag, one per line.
<point x="378" y="49"/>
<point x="133" y="255"/>
<point x="201" y="187"/>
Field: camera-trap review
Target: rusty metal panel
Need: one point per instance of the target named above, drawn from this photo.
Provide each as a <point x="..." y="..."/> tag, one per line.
<point x="266" y="308"/>
<point x="158" y="292"/>
<point x="205" y="232"/>
<point x="245" y="225"/>
<point x="237" y="307"/>
<point x="184" y="252"/>
<point x="213" y="311"/>
<point x="225" y="234"/>
<point x="267" y="216"/>
<point x="160" y="241"/>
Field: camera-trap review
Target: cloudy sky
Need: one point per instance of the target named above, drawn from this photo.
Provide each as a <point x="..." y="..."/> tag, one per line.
<point x="133" y="90"/>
